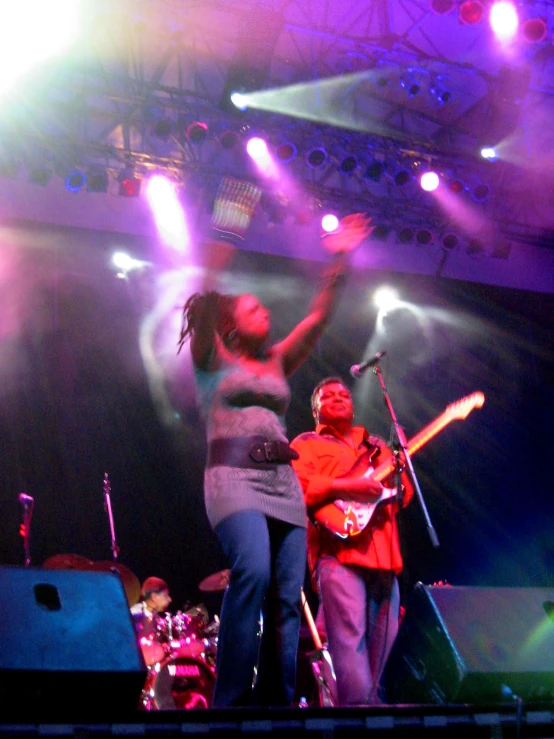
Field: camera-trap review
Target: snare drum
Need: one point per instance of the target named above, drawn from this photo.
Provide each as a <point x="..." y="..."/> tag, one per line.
<point x="179" y="683"/>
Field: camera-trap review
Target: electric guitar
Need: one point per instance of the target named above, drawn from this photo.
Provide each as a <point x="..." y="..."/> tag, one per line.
<point x="347" y="518"/>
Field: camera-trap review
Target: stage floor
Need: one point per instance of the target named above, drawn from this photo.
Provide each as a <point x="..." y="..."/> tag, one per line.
<point x="507" y="720"/>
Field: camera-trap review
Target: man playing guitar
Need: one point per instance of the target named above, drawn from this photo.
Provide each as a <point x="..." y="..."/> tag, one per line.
<point x="354" y="570"/>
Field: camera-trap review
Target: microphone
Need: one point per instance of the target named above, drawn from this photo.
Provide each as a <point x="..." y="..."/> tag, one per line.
<point x="357" y="370"/>
<point x="26" y="500"/>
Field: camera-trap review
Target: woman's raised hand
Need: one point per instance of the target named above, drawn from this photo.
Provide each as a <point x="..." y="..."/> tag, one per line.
<point x="351" y="231"/>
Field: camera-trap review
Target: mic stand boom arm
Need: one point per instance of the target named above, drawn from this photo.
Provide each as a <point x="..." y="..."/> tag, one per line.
<point x="401" y="444"/>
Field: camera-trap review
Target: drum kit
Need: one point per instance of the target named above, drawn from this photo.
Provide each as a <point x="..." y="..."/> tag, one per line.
<point x="180" y="653"/>
<point x="179" y="649"/>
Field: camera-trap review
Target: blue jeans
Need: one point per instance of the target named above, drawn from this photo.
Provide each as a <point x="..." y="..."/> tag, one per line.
<point x="268" y="561"/>
<point x="360" y="609"/>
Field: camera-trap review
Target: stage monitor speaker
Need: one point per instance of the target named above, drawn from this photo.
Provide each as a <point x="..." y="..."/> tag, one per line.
<point x="473" y="645"/>
<point x="68" y="647"/>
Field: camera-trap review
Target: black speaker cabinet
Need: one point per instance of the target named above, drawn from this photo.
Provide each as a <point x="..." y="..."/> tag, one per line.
<point x="68" y="646"/>
<point x="473" y="645"/>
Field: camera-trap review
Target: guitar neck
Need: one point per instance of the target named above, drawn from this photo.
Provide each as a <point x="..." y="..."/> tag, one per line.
<point x="414" y="444"/>
<point x="310" y="621"/>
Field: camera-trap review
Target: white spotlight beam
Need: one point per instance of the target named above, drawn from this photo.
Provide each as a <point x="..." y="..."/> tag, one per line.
<point x="322" y="101"/>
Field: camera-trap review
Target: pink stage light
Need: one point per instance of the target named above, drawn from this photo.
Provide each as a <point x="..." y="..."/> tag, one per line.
<point x="257" y="148"/>
<point x="168" y="212"/>
<point x="429" y="181"/>
<point x="471" y="12"/>
<point x="329" y="222"/>
<point x="504" y="20"/>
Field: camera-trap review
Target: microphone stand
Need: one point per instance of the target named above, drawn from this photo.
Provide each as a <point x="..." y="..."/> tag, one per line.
<point x="400" y="443"/>
<point x="108" y="507"/>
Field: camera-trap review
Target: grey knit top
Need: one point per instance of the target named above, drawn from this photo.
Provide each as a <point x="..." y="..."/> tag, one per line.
<point x="235" y="401"/>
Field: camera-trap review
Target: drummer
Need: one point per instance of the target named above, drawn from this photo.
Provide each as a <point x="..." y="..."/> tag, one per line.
<point x="154" y="599"/>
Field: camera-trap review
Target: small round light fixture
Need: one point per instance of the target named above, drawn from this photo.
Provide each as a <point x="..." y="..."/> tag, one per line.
<point x="471" y="12"/>
<point x="75" y="181"/>
<point x="196" y="132"/>
<point x="316" y="158"/>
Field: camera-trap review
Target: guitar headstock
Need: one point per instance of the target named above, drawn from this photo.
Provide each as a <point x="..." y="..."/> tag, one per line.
<point x="463" y="407"/>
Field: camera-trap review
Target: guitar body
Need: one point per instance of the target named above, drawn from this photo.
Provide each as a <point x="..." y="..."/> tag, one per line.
<point x="346" y="518"/>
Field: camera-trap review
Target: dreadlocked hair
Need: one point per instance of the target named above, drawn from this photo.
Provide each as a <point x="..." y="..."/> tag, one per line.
<point x="220" y="305"/>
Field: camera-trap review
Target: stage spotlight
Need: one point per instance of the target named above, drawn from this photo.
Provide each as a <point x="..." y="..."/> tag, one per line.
<point x="487" y="152"/>
<point x="375" y="171"/>
<point x="349" y="164"/>
<point x="480" y="193"/>
<point x="129" y="184"/>
<point x="504" y="20"/>
<point x="286" y="152"/>
<point x="329" y="222"/>
<point x="380" y="232"/>
<point x="442" y="7"/>
<point x="475" y="248"/>
<point x="471" y="12"/>
<point x="239" y="100"/>
<point x="402" y="177"/>
<point x="449" y="241"/>
<point x="123" y="261"/>
<point x="534" y="30"/>
<point x="196" y="132"/>
<point x="429" y="181"/>
<point x="424" y="237"/>
<point x="382" y="80"/>
<point x="39" y="176"/>
<point x="456" y="186"/>
<point x="316" y="158"/>
<point x="75" y="181"/>
<point x="304" y="215"/>
<point x="124" y="264"/>
<point x="97" y="178"/>
<point x="385" y="298"/>
<point x="257" y="148"/>
<point x="501" y="250"/>
<point x="405" y="235"/>
<point x="438" y="92"/>
<point x="228" y="139"/>
<point x="410" y="84"/>
<point x="162" y="128"/>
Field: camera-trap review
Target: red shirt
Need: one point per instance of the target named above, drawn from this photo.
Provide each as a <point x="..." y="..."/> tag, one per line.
<point x="323" y="455"/>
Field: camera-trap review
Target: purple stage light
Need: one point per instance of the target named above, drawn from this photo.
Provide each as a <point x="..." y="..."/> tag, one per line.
<point x="329" y="222"/>
<point x="429" y="181"/>
<point x="503" y="20"/>
<point x="256" y="148"/>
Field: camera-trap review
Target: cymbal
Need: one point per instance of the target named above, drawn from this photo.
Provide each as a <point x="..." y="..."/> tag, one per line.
<point x="130" y="581"/>
<point x="217" y="581"/>
<point x="67" y="562"/>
